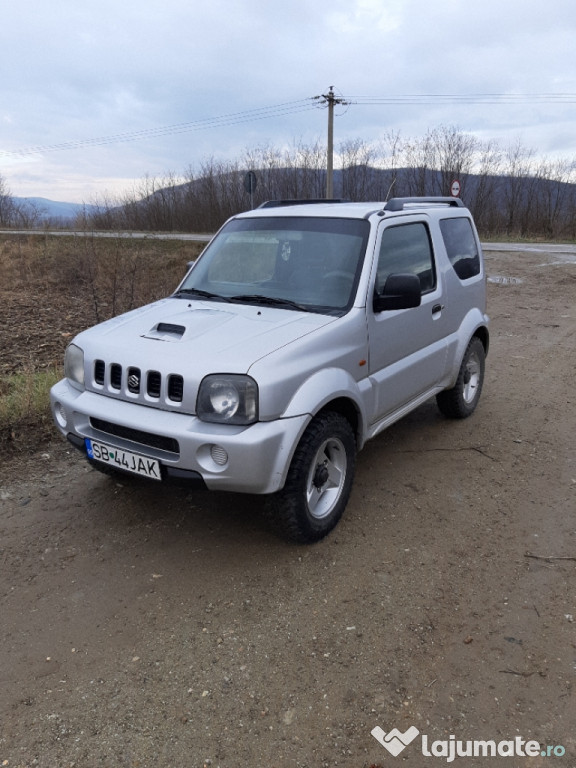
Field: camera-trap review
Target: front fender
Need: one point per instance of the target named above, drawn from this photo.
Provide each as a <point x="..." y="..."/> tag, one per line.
<point x="326" y="386"/>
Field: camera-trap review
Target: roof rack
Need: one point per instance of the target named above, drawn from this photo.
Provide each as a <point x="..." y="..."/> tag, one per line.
<point x="399" y="203"/>
<point x="280" y="203"/>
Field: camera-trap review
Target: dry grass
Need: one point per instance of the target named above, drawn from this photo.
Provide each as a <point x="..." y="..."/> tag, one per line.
<point x="112" y="275"/>
<point x="51" y="287"/>
<point x="24" y="407"/>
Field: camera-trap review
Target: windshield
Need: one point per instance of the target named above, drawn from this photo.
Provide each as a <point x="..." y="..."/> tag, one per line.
<point x="310" y="264"/>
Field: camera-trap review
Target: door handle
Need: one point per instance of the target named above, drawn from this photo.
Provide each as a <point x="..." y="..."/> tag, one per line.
<point x="437" y="308"/>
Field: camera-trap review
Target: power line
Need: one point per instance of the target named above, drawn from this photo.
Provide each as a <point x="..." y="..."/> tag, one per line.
<point x="479" y="98"/>
<point x="234" y="118"/>
<point x="293" y="107"/>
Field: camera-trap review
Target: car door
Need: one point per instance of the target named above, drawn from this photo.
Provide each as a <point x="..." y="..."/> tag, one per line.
<point x="408" y="347"/>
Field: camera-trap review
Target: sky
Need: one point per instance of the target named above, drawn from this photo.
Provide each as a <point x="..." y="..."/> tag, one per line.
<point x="96" y="95"/>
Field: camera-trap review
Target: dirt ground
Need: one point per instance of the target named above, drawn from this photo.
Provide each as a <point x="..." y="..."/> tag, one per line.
<point x="144" y="626"/>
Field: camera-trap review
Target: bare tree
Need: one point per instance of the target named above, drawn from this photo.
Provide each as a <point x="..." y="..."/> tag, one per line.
<point x="358" y="172"/>
<point x="390" y="184"/>
<point x="420" y="159"/>
<point x="7" y="206"/>
<point x="517" y="169"/>
<point x="453" y="154"/>
<point x="482" y="195"/>
<point x="556" y="196"/>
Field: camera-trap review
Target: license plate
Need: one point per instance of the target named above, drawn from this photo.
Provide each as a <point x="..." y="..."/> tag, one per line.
<point x="125" y="460"/>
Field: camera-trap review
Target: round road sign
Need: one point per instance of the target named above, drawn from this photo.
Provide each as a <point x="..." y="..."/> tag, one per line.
<point x="455" y="188"/>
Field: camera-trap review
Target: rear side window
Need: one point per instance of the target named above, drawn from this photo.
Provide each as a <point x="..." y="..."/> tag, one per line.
<point x="461" y="246"/>
<point x="406" y="248"/>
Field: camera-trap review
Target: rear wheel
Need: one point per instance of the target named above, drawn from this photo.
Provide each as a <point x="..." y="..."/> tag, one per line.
<point x="319" y="480"/>
<point x="461" y="401"/>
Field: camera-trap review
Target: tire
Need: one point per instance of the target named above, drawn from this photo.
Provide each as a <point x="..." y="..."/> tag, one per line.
<point x="461" y="401"/>
<point x="319" y="480"/>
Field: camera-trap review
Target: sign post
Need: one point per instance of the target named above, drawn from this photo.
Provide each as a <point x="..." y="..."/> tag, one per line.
<point x="250" y="182"/>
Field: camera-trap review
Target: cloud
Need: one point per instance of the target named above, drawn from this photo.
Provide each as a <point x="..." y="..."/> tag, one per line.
<point x="103" y="68"/>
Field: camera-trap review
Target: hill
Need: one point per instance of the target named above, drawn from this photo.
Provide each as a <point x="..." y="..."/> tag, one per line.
<point x="47" y="210"/>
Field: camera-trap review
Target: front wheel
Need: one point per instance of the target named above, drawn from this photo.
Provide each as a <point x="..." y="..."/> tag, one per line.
<point x="319" y="480"/>
<point x="461" y="401"/>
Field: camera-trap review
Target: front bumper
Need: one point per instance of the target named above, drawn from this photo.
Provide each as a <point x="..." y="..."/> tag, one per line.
<point x="253" y="459"/>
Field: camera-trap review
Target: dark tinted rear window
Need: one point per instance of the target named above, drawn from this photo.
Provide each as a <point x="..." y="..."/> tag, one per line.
<point x="461" y="246"/>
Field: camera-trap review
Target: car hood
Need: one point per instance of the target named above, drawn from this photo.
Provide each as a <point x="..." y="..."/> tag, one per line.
<point x="197" y="336"/>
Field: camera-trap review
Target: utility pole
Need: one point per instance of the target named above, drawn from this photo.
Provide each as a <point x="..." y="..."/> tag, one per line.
<point x="331" y="100"/>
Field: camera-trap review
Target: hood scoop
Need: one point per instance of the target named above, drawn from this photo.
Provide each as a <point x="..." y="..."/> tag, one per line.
<point x="166" y="332"/>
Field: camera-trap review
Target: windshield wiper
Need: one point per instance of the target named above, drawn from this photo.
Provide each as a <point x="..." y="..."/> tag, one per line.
<point x="202" y="294"/>
<point x="269" y="301"/>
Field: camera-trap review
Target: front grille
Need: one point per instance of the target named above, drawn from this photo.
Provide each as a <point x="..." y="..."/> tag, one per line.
<point x="99" y="371"/>
<point x="154" y="384"/>
<point x="136" y="435"/>
<point x="176" y="388"/>
<point x="137" y="382"/>
<point x="116" y="376"/>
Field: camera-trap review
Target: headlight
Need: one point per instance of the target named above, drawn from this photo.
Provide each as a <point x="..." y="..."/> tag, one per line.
<point x="228" y="399"/>
<point x="74" y="366"/>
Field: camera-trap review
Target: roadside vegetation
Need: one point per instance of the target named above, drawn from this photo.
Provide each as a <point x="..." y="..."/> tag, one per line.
<point x="511" y="192"/>
<point x="23" y="403"/>
<point x="50" y="289"/>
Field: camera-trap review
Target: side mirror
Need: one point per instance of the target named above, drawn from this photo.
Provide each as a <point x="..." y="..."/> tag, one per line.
<point x="401" y="291"/>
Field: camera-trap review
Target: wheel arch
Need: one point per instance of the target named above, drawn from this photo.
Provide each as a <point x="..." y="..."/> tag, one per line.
<point x="484" y="335"/>
<point x="474" y="325"/>
<point x="332" y="390"/>
<point x="348" y="409"/>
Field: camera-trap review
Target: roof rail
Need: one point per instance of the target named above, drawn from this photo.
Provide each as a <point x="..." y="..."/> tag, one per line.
<point x="398" y="203"/>
<point x="280" y="203"/>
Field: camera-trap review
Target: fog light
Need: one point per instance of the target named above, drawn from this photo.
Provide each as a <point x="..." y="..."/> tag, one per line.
<point x="219" y="455"/>
<point x="60" y="414"/>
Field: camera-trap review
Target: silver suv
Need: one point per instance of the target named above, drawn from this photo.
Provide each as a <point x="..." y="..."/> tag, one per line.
<point x="302" y="331"/>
